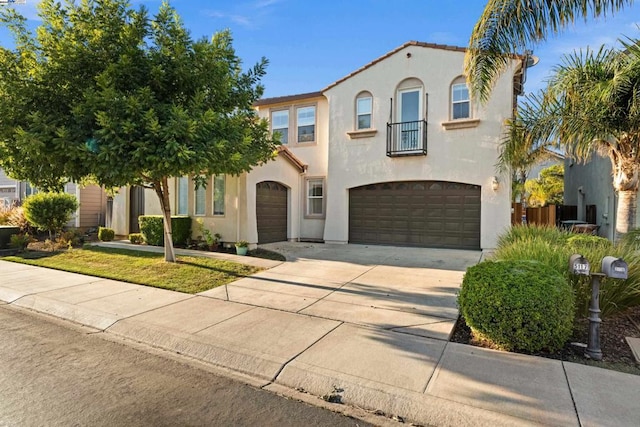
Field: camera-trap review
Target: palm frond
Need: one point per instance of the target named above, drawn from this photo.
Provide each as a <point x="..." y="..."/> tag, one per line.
<point x="510" y="26"/>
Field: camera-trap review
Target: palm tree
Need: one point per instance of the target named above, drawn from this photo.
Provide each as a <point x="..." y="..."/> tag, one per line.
<point x="509" y="26"/>
<point x="592" y="105"/>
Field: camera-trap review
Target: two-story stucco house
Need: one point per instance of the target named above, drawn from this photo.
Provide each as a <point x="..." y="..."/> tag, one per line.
<point x="395" y="153"/>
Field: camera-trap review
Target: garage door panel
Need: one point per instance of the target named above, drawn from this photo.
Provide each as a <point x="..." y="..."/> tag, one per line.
<point x="417" y="213"/>
<point x="271" y="212"/>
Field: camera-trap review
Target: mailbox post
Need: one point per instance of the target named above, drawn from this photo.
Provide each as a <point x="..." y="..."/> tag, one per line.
<point x="614" y="268"/>
<point x="593" y="350"/>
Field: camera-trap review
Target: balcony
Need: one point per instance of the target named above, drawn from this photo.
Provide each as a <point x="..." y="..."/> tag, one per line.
<point x="407" y="139"/>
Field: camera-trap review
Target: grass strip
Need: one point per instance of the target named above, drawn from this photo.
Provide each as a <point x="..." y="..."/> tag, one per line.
<point x="189" y="274"/>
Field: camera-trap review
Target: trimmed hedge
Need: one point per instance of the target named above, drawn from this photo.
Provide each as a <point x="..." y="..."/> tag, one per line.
<point x="136" y="238"/>
<point x="152" y="228"/>
<point x="106" y="234"/>
<point x="517" y="305"/>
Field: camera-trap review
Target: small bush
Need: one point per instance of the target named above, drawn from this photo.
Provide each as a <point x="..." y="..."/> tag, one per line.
<point x="517" y="305"/>
<point x="4" y="215"/>
<point x="152" y="228"/>
<point x="136" y="238"/>
<point x="20" y="241"/>
<point x="50" y="211"/>
<point x="106" y="234"/>
<point x="15" y="216"/>
<point x="71" y="238"/>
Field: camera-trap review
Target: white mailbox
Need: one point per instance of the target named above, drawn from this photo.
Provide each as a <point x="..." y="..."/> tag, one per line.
<point x="616" y="268"/>
<point x="579" y="265"/>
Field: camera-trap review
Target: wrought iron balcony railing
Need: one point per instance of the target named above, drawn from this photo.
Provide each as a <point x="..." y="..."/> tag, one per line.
<point x="407" y="139"/>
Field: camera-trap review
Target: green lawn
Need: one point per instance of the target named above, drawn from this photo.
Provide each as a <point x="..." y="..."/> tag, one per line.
<point x="190" y="274"/>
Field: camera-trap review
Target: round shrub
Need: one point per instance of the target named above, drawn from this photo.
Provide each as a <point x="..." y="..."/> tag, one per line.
<point x="106" y="234"/>
<point x="136" y="238"/>
<point x="49" y="211"/>
<point x="517" y="305"/>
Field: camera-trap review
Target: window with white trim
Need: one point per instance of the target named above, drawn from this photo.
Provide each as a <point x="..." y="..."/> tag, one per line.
<point x="306" y="123"/>
<point x="364" y="109"/>
<point x="200" y="200"/>
<point x="182" y="192"/>
<point x="460" y="101"/>
<point x="315" y="197"/>
<point x="280" y="124"/>
<point x="218" y="194"/>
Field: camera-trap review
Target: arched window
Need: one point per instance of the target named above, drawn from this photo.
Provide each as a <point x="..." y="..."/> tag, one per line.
<point x="460" y="101"/>
<point x="364" y="111"/>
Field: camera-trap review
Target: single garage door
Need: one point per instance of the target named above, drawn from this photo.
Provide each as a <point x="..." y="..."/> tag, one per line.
<point x="271" y="211"/>
<point x="416" y="213"/>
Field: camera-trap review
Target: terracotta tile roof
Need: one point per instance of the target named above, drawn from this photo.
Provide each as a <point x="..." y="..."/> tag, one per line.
<point x="295" y="161"/>
<point x="388" y="54"/>
<point x="287" y="98"/>
<point x="291" y="98"/>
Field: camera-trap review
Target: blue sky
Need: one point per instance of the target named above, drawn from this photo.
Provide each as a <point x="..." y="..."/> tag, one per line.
<point x="310" y="44"/>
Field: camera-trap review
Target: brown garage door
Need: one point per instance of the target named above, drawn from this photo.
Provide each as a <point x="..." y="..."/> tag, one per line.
<point x="416" y="213"/>
<point x="271" y="212"/>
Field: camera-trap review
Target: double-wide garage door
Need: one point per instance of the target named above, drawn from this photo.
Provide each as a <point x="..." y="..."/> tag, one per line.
<point x="416" y="213"/>
<point x="271" y="212"/>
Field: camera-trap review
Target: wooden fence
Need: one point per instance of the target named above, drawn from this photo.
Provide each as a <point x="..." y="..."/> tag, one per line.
<point x="543" y="216"/>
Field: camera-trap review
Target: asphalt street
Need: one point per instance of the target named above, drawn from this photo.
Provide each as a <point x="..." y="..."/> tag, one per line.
<point x="57" y="375"/>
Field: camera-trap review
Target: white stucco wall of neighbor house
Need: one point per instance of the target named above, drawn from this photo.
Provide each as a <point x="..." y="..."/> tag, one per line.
<point x="466" y="155"/>
<point x="120" y="214"/>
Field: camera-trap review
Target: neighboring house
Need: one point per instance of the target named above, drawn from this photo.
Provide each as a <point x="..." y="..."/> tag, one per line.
<point x="395" y="153"/>
<point x="91" y="198"/>
<point x="590" y="185"/>
<point x="554" y="158"/>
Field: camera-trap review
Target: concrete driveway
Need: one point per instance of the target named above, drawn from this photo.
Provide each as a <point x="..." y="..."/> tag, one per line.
<point x="410" y="290"/>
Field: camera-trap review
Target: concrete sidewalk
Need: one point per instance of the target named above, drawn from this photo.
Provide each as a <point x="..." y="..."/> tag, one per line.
<point x="368" y="364"/>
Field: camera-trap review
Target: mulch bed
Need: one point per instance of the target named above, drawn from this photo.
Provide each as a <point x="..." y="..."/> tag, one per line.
<point x="617" y="354"/>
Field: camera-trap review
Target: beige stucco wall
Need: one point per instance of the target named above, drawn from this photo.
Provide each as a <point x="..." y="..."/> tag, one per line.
<point x="462" y="155"/>
<point x="315" y="156"/>
<point x="282" y="171"/>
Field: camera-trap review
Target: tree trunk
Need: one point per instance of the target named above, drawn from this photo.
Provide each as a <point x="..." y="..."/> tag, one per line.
<point x="162" y="191"/>
<point x="626" y="212"/>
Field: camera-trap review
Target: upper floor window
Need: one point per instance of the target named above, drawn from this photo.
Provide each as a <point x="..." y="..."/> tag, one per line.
<point x="306" y="122"/>
<point x="280" y="124"/>
<point x="460" y="101"/>
<point x="218" y="194"/>
<point x="364" y="108"/>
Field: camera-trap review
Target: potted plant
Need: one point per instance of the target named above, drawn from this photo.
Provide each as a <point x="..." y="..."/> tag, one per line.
<point x="242" y="246"/>
<point x="212" y="240"/>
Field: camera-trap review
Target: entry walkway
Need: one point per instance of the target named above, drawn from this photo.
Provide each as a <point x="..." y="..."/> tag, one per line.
<point x="337" y="343"/>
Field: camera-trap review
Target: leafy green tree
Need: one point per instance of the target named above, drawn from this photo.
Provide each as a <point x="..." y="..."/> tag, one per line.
<point x="50" y="211"/>
<point x="591" y="104"/>
<point x="548" y="189"/>
<point x="106" y="92"/>
<point x="509" y="26"/>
